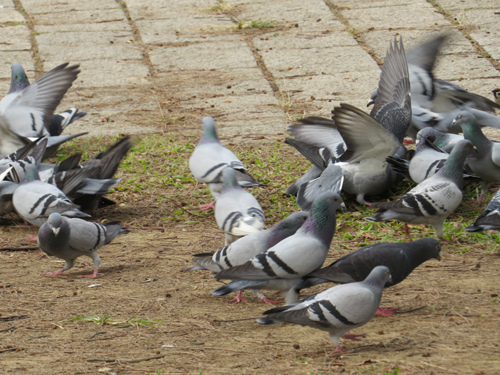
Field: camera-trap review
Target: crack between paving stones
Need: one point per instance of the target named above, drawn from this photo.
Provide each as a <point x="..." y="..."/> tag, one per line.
<point x="479" y="48"/>
<point x="30" y="23"/>
<point x="137" y="37"/>
<point x="336" y="10"/>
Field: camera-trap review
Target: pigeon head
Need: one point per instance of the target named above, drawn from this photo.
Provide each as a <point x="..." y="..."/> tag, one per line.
<point x="429" y="248"/>
<point x="19" y="80"/>
<point x="55" y="221"/>
<point x="428" y="137"/>
<point x="470" y="127"/>
<point x="322" y="218"/>
<point x="378" y="277"/>
<point x="496" y="94"/>
<point x="209" y="130"/>
<point x="453" y="167"/>
<point x="229" y="178"/>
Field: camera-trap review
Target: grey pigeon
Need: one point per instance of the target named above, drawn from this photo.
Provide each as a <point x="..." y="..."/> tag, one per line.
<point x="282" y="266"/>
<point x="209" y="159"/>
<point x="489" y="218"/>
<point x="245" y="248"/>
<point x="35" y="200"/>
<point x="434" y="199"/>
<point x="237" y="212"/>
<point x="433" y="98"/>
<point x="485" y="163"/>
<point x="68" y="238"/>
<point x="24" y="112"/>
<point x="400" y="257"/>
<point x="369" y="139"/>
<point x="336" y="310"/>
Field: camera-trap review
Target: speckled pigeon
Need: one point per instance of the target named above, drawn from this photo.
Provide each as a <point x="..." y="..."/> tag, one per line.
<point x="434" y="199"/>
<point x="489" y="218"/>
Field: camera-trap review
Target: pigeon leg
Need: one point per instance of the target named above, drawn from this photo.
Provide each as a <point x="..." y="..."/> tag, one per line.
<point x="95" y="274"/>
<point x="238" y="298"/>
<point x="205" y="207"/>
<point x="385" y="312"/>
<point x="407" y="231"/>
<point x="58" y="272"/>
<point x="353" y="336"/>
<point x="338" y="349"/>
<point x="263" y="298"/>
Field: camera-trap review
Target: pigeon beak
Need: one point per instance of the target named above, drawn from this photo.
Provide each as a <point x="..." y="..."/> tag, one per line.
<point x="343" y="207"/>
<point x="440" y="256"/>
<point x="55" y="230"/>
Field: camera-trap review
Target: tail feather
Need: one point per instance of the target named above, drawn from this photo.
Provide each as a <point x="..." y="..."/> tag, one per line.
<point x="237" y="285"/>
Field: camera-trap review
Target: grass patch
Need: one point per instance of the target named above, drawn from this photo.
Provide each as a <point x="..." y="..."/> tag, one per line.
<point x="107" y="320"/>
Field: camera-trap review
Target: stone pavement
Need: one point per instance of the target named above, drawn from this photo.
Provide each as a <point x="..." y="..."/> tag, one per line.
<point x="160" y="65"/>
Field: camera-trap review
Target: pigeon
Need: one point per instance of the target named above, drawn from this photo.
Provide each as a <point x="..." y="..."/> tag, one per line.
<point x="428" y="158"/>
<point x="489" y="218"/>
<point x="367" y="139"/>
<point x="282" y="266"/>
<point x="245" y="248"/>
<point x="69" y="238"/>
<point x="486" y="162"/>
<point x="27" y="109"/>
<point x="35" y="200"/>
<point x="338" y="309"/>
<point x="434" y="199"/>
<point x="237" y="212"/>
<point x="312" y="173"/>
<point x="432" y="98"/>
<point x="209" y="159"/>
<point x="249" y="246"/>
<point x="400" y="257"/>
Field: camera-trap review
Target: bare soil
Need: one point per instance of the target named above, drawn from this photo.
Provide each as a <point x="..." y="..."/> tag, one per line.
<point x="447" y="321"/>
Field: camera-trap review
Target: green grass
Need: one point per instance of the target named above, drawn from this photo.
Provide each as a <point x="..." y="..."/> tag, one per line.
<point x="107" y="320"/>
<point x="156" y="176"/>
<point x="220" y="6"/>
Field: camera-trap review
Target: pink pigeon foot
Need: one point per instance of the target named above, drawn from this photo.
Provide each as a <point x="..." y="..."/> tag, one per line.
<point x="353" y="336"/>
<point x="238" y="298"/>
<point x="95" y="274"/>
<point x="205" y="207"/>
<point x="56" y="273"/>
<point x="31" y="239"/>
<point x="386" y="312"/>
<point x="407" y="142"/>
<point x="368" y="203"/>
<point x="268" y="301"/>
<point x="339" y="350"/>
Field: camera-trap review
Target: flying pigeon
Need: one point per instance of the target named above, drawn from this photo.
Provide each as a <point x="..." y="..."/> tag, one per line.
<point x="336" y="310"/>
<point x="69" y="238"/>
<point x="209" y="159"/>
<point x="27" y="109"/>
<point x="486" y="162"/>
<point x="400" y="257"/>
<point x="245" y="248"/>
<point x="434" y="199"/>
<point x="367" y="139"/>
<point x="237" y="212"/>
<point x="489" y="218"/>
<point x="282" y="266"/>
<point x="35" y="200"/>
<point x="433" y="98"/>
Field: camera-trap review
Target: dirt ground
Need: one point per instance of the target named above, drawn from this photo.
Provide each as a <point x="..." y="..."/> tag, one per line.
<point x="159" y="319"/>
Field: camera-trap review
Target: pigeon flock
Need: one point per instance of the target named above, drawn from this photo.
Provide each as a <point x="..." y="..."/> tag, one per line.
<point x="354" y="155"/>
<point x="54" y="197"/>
